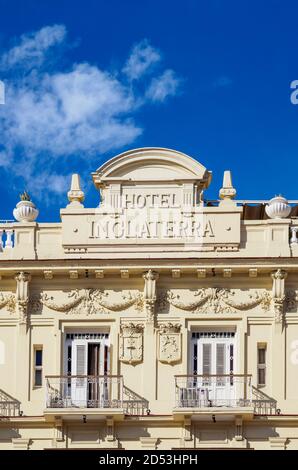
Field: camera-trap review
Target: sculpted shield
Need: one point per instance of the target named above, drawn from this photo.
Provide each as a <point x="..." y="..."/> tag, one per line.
<point x="131" y="343"/>
<point x="169" y="347"/>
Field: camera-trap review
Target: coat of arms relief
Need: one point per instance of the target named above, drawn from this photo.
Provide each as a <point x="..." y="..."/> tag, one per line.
<point x="169" y="343"/>
<point x="131" y="343"/>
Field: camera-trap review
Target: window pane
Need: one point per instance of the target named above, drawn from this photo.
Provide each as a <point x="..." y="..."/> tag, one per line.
<point x="261" y="377"/>
<point x="38" y="357"/>
<point x="261" y="355"/>
<point x="38" y="378"/>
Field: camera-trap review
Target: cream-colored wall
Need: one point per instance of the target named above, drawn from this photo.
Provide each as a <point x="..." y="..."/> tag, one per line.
<point x="242" y="276"/>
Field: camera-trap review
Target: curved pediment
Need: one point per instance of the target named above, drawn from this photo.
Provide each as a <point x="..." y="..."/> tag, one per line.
<point x="152" y="164"/>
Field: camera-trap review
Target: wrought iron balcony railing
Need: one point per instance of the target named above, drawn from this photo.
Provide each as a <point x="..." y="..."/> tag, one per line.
<point x="84" y="391"/>
<point x="206" y="391"/>
<point x="8" y="405"/>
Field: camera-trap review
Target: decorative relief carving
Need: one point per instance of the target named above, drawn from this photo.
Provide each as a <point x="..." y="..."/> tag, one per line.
<point x="22" y="295"/>
<point x="131" y="343"/>
<point x="291" y="300"/>
<point x="169" y="347"/>
<point x="213" y="300"/>
<point x="150" y="278"/>
<point x="8" y="301"/>
<point x="87" y="301"/>
<point x="278" y="294"/>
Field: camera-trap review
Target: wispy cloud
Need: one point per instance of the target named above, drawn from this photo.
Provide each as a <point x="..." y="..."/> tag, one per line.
<point x="50" y="116"/>
<point x="143" y="56"/>
<point x="32" y="48"/>
<point x="163" y="86"/>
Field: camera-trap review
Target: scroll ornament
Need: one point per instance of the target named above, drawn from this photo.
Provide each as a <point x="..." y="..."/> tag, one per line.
<point x="88" y="301"/>
<point x="214" y="300"/>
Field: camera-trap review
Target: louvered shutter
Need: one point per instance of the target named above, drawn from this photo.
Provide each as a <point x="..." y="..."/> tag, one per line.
<point x="79" y="367"/>
<point x="220" y="359"/>
<point x="206" y="359"/>
<point x="81" y="352"/>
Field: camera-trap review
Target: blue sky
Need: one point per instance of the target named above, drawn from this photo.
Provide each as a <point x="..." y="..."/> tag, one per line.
<point x="88" y="79"/>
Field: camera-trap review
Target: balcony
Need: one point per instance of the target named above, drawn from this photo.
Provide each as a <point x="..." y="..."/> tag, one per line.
<point x="81" y="394"/>
<point x="9" y="406"/>
<point x="92" y="395"/>
<point x="202" y="394"/>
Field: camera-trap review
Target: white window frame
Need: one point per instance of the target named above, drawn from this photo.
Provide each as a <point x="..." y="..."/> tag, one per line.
<point x="37" y="347"/>
<point x="262" y="366"/>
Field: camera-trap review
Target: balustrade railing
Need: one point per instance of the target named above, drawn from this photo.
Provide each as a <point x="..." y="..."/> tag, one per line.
<point x="8" y="405"/>
<point x="6" y="236"/>
<point x="262" y="403"/>
<point x="207" y="391"/>
<point x="84" y="391"/>
<point x="133" y="403"/>
<point x="293" y="236"/>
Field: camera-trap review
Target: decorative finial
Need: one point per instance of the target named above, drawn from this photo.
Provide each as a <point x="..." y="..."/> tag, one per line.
<point x="278" y="208"/>
<point x="227" y="192"/>
<point x="75" y="194"/>
<point x="25" y="210"/>
<point x="25" y="196"/>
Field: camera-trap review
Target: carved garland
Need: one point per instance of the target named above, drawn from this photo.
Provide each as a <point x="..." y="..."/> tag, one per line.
<point x="8" y="301"/>
<point x="215" y="300"/>
<point x="88" y="301"/>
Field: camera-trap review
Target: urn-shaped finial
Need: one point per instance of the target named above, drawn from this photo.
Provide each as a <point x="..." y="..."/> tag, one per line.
<point x="278" y="208"/>
<point x="25" y="210"/>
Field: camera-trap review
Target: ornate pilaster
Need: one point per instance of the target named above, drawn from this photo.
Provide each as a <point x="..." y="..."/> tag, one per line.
<point x="150" y="278"/>
<point x="278" y="294"/>
<point x="22" y="295"/>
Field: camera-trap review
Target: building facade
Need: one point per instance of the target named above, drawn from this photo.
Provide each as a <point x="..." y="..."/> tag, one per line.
<point x="156" y="320"/>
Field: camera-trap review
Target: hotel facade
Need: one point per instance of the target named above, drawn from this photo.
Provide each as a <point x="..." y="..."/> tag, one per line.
<point x="157" y="320"/>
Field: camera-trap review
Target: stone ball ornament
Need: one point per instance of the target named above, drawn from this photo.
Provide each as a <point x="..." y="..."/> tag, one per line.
<point x="278" y="208"/>
<point x="25" y="210"/>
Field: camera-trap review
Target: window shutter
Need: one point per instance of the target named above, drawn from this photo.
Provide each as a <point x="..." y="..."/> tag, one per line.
<point x="81" y="359"/>
<point x="206" y="358"/>
<point x="220" y="359"/>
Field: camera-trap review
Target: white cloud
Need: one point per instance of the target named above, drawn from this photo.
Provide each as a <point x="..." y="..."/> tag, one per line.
<point x="32" y="47"/>
<point x="80" y="113"/>
<point x="163" y="86"/>
<point x="143" y="56"/>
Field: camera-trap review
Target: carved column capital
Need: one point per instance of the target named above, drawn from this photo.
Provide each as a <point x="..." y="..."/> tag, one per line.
<point x="278" y="293"/>
<point x="150" y="278"/>
<point x="22" y="295"/>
